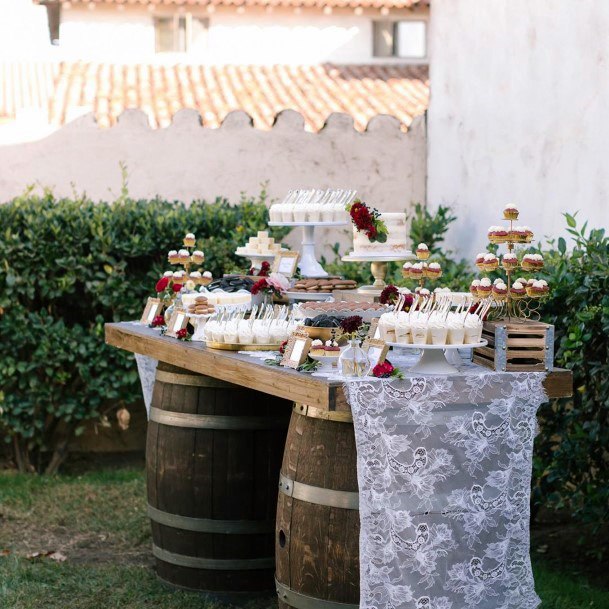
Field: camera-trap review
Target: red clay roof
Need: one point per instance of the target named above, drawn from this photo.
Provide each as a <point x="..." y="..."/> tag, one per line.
<point x="289" y="3"/>
<point x="363" y="91"/>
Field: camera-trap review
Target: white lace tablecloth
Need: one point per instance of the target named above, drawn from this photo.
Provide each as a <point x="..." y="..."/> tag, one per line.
<point x="146" y="367"/>
<point x="444" y="470"/>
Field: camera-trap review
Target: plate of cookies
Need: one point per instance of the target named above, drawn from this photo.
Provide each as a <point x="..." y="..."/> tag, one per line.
<point x="318" y="289"/>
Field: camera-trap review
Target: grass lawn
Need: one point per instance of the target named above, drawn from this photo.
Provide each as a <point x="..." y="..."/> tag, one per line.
<point x="98" y="522"/>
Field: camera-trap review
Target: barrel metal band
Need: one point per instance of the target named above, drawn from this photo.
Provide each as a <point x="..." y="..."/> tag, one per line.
<point x="207" y="525"/>
<point x="302" y="601"/>
<point x="191" y="380"/>
<point x="318" y="495"/>
<point x="209" y="421"/>
<point x="214" y="564"/>
<point x="343" y="416"/>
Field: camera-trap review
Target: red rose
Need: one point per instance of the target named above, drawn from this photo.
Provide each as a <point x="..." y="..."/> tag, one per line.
<point x="176" y="287"/>
<point x="259" y="286"/>
<point x="389" y="295"/>
<point x="351" y="324"/>
<point x="283" y="346"/>
<point x="371" y="233"/>
<point x="265" y="267"/>
<point x="159" y="320"/>
<point x="383" y="370"/>
<point x="162" y="284"/>
<point x="182" y="334"/>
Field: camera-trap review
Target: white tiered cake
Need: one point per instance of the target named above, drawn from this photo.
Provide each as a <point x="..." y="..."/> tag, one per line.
<point x="396" y="239"/>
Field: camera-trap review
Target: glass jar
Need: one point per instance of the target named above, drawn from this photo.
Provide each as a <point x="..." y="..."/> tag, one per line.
<point x="353" y="361"/>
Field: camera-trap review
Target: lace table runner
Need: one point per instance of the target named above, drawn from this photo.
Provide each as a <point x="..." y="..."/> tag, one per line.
<point x="444" y="470"/>
<point x="146" y="367"/>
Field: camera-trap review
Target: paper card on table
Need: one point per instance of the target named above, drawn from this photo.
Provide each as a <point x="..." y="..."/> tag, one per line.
<point x="374" y="331"/>
<point x="151" y="310"/>
<point x="178" y="321"/>
<point x="376" y="350"/>
<point x="286" y="263"/>
<point x="297" y="349"/>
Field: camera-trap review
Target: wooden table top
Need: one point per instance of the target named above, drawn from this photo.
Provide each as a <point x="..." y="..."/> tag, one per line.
<point x="249" y="372"/>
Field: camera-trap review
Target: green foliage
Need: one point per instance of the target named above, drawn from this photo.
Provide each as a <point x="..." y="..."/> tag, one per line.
<point x="68" y="266"/>
<point x="429" y="228"/>
<point x="572" y="464"/>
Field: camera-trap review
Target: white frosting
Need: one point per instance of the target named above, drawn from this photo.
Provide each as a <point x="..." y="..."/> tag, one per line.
<point x="396" y="238"/>
<point x="168" y="274"/>
<point x="485" y="282"/>
<point x="189" y="236"/>
<point x="207" y="274"/>
<point x="173" y="253"/>
<point x="422" y="246"/>
<point x="517" y="285"/>
<point x="183" y="253"/>
<point x="435" y="266"/>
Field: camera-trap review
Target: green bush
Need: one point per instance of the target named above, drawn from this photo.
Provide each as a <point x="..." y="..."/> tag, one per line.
<point x="66" y="267"/>
<point x="572" y="450"/>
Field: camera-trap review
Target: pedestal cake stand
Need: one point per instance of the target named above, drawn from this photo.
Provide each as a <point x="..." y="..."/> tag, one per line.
<point x="378" y="268"/>
<point x="308" y="265"/>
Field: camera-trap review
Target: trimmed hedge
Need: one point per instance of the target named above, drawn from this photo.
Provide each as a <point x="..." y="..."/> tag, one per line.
<point x="66" y="268"/>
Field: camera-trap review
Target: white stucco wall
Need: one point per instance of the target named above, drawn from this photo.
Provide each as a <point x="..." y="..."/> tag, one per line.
<point x="518" y="113"/>
<point x="186" y="161"/>
<point x="253" y="37"/>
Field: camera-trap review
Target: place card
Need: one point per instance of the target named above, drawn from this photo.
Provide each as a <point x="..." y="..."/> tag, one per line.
<point x="286" y="263"/>
<point x="296" y="350"/>
<point x="151" y="310"/>
<point x="178" y="321"/>
<point x="374" y="331"/>
<point x="376" y="350"/>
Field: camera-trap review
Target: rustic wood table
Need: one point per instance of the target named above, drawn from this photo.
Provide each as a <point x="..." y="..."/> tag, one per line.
<point x="204" y="433"/>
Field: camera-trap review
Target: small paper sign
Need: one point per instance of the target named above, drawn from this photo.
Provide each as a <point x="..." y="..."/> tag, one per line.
<point x="286" y="263"/>
<point x="151" y="310"/>
<point x="376" y="350"/>
<point x="297" y="349"/>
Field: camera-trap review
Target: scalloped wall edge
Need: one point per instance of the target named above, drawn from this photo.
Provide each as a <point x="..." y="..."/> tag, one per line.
<point x="285" y="120"/>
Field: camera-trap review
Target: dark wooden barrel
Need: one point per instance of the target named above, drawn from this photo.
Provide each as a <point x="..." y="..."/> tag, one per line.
<point x="317" y="534"/>
<point x="213" y="457"/>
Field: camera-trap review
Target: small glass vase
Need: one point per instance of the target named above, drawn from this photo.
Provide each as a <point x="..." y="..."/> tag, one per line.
<point x="353" y="361"/>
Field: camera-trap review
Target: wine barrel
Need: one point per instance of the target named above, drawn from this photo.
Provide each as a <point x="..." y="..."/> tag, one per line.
<point x="317" y="534"/>
<point x="213" y="457"/>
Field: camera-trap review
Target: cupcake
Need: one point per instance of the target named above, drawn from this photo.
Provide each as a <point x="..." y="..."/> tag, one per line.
<point x="406" y="270"/>
<point x="473" y="288"/>
<point x="538" y="289"/>
<point x="416" y="270"/>
<point x="195" y="277"/>
<point x="422" y="252"/>
<point x="491" y="262"/>
<point x="331" y="349"/>
<point x="532" y="262"/>
<point x="179" y="276"/>
<point x="480" y="260"/>
<point x="510" y="212"/>
<point x="485" y="288"/>
<point x="317" y="348"/>
<point x="184" y="256"/>
<point x="528" y="234"/>
<point x="173" y="257"/>
<point x="497" y="234"/>
<point x="509" y="261"/>
<point x="523" y="281"/>
<point x="198" y="256"/>
<point x="500" y="291"/>
<point x="433" y="270"/>
<point x="189" y="240"/>
<point x="168" y="274"/>
<point x="206" y="278"/>
<point x="517" y="290"/>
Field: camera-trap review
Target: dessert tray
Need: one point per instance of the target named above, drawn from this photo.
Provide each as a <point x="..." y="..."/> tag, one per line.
<point x="433" y="358"/>
<point x="314" y="296"/>
<point x="367" y="314"/>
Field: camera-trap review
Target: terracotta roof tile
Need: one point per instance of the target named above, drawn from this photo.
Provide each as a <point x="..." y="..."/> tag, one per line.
<point x="363" y="91"/>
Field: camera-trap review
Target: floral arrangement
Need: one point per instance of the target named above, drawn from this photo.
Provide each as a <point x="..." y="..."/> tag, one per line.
<point x="183" y="334"/>
<point x="386" y="370"/>
<point x="158" y="322"/>
<point x="265" y="267"/>
<point x="368" y="221"/>
<point x="275" y="284"/>
<point x="390" y="295"/>
<point x="351" y="325"/>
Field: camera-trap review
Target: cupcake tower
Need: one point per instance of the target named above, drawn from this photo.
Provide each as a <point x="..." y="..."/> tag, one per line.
<point x="188" y="259"/>
<point x="511" y="289"/>
<point x="421" y="270"/>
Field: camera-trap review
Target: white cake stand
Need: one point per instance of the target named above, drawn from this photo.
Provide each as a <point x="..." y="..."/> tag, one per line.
<point x="378" y="268"/>
<point x="433" y="359"/>
<point x="308" y="265"/>
<point x="256" y="260"/>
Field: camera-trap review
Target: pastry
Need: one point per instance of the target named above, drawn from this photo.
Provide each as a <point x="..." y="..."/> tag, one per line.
<point x="331" y="349"/>
<point x="173" y="257"/>
<point x="406" y="270"/>
<point x="198" y="256"/>
<point x="497" y="234"/>
<point x="538" y="289"/>
<point x="422" y="251"/>
<point x="510" y="212"/>
<point x="433" y="270"/>
<point x="480" y="260"/>
<point x="473" y="288"/>
<point x="491" y="262"/>
<point x="189" y="240"/>
<point x="485" y="288"/>
<point x="517" y="290"/>
<point x="395" y="245"/>
<point x="317" y="348"/>
<point x="500" y="291"/>
<point x="184" y="256"/>
<point x="532" y="262"/>
<point x="416" y="270"/>
<point x="509" y="261"/>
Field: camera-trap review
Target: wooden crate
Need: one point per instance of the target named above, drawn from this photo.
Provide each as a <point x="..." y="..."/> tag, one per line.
<point x="516" y="346"/>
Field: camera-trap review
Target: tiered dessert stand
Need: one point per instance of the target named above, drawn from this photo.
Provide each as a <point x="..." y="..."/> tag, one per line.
<point x="378" y="268"/>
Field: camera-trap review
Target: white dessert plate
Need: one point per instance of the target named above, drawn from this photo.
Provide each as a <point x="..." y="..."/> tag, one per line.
<point x="482" y="343"/>
<point x="316" y="296"/>
<point x="309" y="223"/>
<point x="408" y="255"/>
